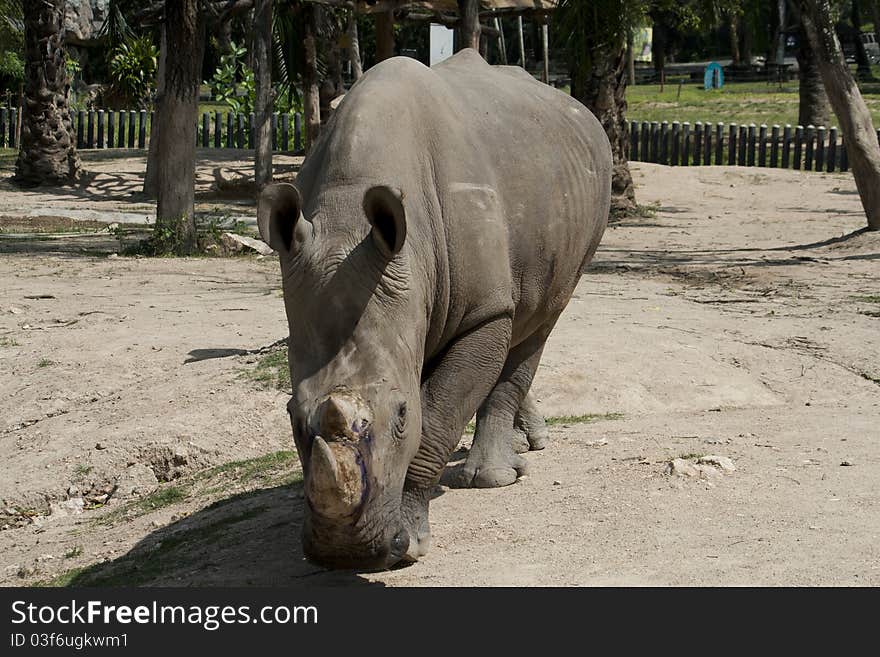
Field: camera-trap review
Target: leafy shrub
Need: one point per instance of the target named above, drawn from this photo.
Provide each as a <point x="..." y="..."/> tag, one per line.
<point x="233" y="82"/>
<point x="133" y="67"/>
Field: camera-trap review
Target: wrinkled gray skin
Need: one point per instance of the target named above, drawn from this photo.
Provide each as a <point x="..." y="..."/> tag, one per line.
<point x="434" y="235"/>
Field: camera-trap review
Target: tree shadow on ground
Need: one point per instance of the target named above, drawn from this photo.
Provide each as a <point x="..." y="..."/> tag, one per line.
<point x="250" y="539"/>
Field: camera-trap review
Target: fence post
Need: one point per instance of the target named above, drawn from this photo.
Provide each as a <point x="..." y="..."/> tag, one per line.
<point x="142" y="128"/>
<point x="111" y="128"/>
<point x="90" y="135"/>
<point x="274" y="130"/>
<point x="820" y="148"/>
<point x="844" y="157"/>
<point x="633" y="141"/>
<point x="786" y="145"/>
<point x="676" y="134"/>
<point x="762" y="146"/>
<point x="686" y="144"/>
<point x="832" y="148"/>
<point x="719" y="143"/>
<point x="664" y="142"/>
<point x="297" y="132"/>
<point x="100" y="128"/>
<point x="218" y="129"/>
<point x="655" y="142"/>
<point x="120" y="136"/>
<point x="808" y="161"/>
<point x="230" y="130"/>
<point x="285" y="131"/>
<point x="646" y="142"/>
<point x="707" y="143"/>
<point x="751" y="159"/>
<point x="743" y="145"/>
<point x="251" y="135"/>
<point x="774" y="146"/>
<point x="798" y="146"/>
<point x="698" y="142"/>
<point x="131" y="122"/>
<point x="731" y="145"/>
<point x="3" y="123"/>
<point x="206" y="130"/>
<point x="239" y="136"/>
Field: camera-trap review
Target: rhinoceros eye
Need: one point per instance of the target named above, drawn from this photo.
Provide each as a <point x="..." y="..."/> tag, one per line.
<point x="400" y="422"/>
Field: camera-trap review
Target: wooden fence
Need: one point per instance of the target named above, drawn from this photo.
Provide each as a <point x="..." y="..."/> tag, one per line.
<point x="131" y="129"/>
<point x="680" y="144"/>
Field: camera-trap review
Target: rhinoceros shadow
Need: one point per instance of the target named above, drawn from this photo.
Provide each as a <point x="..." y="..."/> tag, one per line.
<point x="250" y="539"/>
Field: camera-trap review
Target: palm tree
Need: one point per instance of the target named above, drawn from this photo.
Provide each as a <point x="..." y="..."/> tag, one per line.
<point x="47" y="151"/>
<point x="595" y="36"/>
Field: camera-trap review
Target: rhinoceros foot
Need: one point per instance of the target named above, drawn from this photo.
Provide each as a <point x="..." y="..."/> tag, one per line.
<point x="490" y="464"/>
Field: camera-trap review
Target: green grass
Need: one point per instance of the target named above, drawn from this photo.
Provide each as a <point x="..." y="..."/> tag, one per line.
<point x="73" y="552"/>
<point x="277" y="468"/>
<point x="737" y="102"/>
<point x="869" y="298"/>
<point x="81" y="470"/>
<point x="45" y="362"/>
<point x="8" y="342"/>
<point x="272" y="371"/>
<point x="558" y="420"/>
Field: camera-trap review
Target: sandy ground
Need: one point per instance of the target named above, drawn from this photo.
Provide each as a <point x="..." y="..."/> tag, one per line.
<point x="739" y="320"/>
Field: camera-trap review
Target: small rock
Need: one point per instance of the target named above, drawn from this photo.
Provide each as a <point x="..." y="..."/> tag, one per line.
<point x="682" y="468"/>
<point x="100" y="446"/>
<point x="557" y="483"/>
<point x="847" y="463"/>
<point x="72" y="491"/>
<point x="239" y="243"/>
<point x="597" y="443"/>
<point x="73" y="506"/>
<point x="113" y="256"/>
<point x="722" y="462"/>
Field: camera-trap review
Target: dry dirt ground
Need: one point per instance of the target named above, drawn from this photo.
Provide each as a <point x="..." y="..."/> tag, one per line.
<point x="143" y="437"/>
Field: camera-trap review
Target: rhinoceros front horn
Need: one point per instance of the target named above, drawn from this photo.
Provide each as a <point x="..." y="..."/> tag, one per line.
<point x="335" y="484"/>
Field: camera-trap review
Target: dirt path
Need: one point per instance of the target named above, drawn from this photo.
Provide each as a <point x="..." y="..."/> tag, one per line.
<point x="729" y="323"/>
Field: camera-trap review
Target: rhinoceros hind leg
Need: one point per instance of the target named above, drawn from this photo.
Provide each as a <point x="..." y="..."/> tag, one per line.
<point x="530" y="431"/>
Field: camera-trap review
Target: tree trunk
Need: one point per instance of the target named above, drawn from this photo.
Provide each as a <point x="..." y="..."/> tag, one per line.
<point x="150" y="176"/>
<point x="814" y="107"/>
<point x="175" y="230"/>
<point x="875" y="15"/>
<point x="602" y="88"/>
<point x="734" y="39"/>
<point x="263" y="103"/>
<point x="312" y="96"/>
<point x="47" y="152"/>
<point x="863" y="66"/>
<point x="384" y="36"/>
<point x="354" y="47"/>
<point x="849" y="106"/>
<point x="659" y="37"/>
<point x="745" y="48"/>
<point x="468" y="25"/>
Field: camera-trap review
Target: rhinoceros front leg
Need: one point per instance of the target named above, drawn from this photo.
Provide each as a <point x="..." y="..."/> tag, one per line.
<point x="506" y="414"/>
<point x="451" y="394"/>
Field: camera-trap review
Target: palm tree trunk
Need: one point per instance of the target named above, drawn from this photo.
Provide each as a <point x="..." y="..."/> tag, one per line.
<point x="264" y="95"/>
<point x="47" y="151"/>
<point x="312" y="99"/>
<point x="602" y="88"/>
<point x="175" y="229"/>
<point x="849" y="106"/>
<point x="384" y="36"/>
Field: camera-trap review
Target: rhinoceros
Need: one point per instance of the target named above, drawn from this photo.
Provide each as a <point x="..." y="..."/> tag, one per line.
<point x="433" y="236"/>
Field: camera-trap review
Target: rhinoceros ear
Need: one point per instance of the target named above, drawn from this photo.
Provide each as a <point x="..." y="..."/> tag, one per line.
<point x="384" y="209"/>
<point x="279" y="214"/>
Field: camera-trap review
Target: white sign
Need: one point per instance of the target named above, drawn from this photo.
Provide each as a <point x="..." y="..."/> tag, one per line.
<point x="441" y="43"/>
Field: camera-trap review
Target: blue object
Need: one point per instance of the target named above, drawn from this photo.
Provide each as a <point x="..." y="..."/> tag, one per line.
<point x="714" y="76"/>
